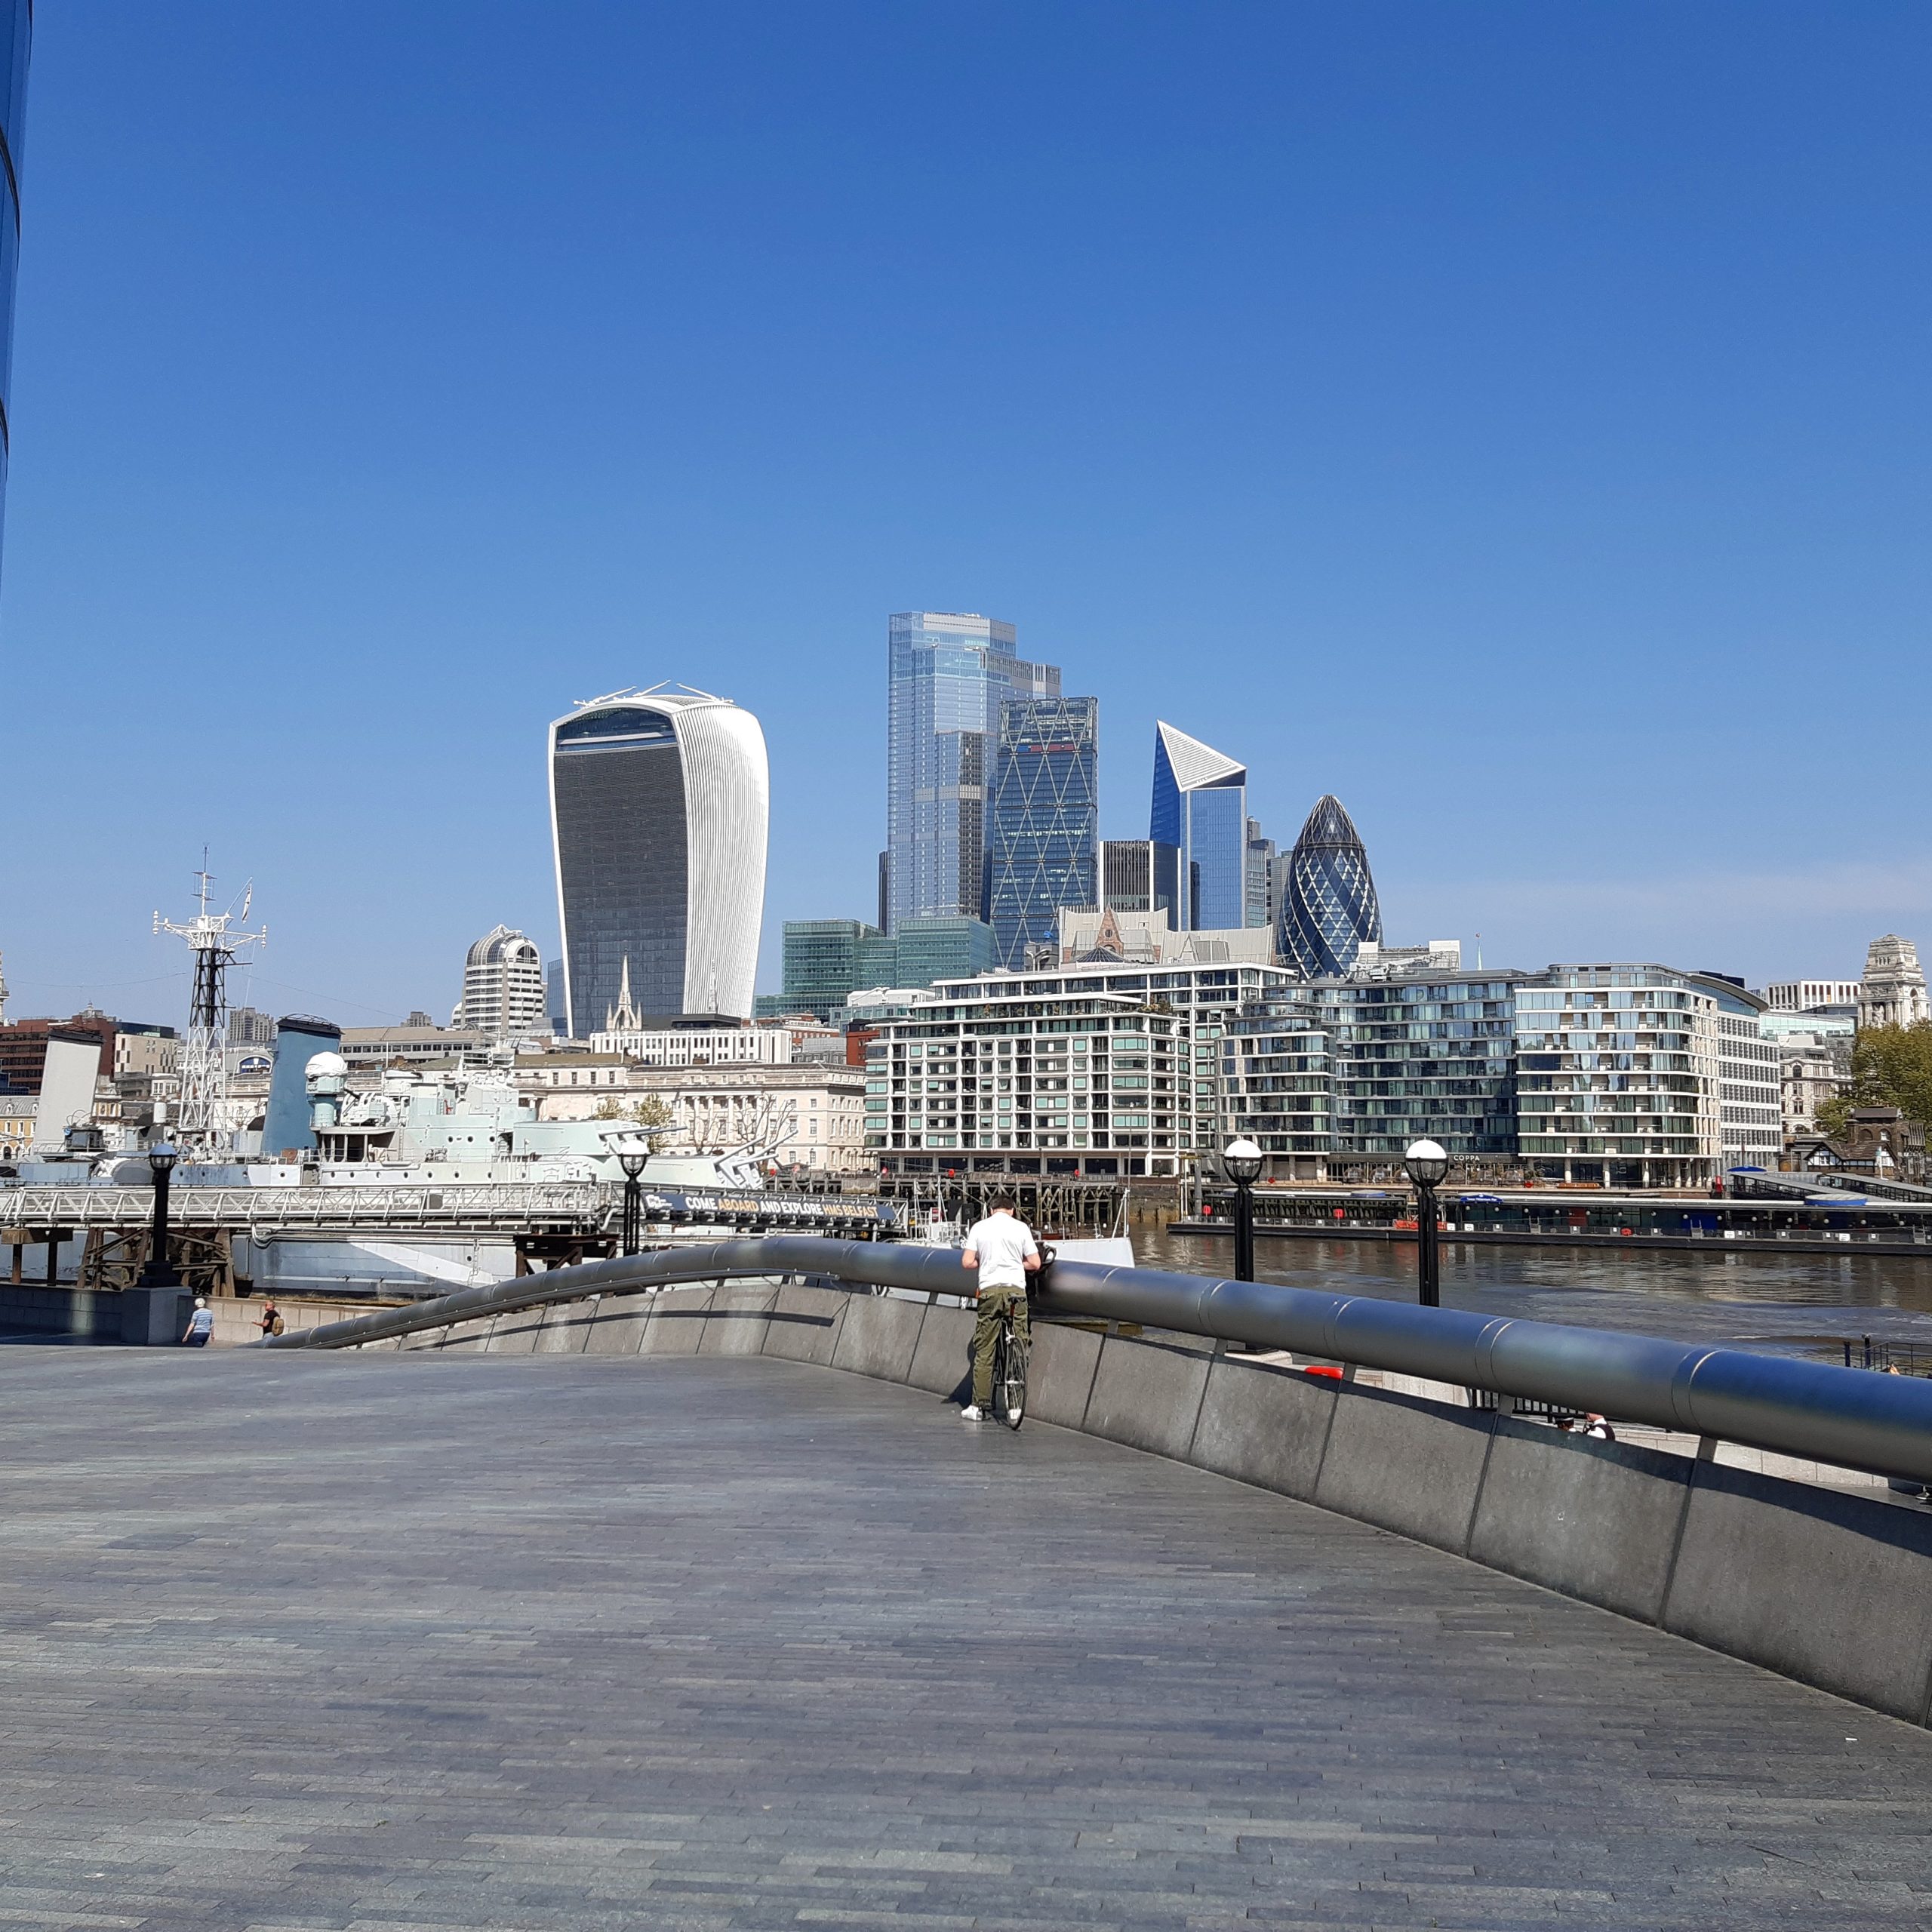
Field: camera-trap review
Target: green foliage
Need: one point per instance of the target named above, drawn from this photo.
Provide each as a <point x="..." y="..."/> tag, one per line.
<point x="1891" y="1066"/>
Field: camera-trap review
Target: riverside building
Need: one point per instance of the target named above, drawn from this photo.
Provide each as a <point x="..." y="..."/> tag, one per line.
<point x="659" y="801"/>
<point x="1618" y="1073"/>
<point x="1750" y="1105"/>
<point x="1337" y="1076"/>
<point x="981" y="1077"/>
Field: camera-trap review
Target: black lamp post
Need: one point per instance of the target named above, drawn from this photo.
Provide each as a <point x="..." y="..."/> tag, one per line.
<point x="632" y="1160"/>
<point x="161" y="1157"/>
<point x="1241" y="1161"/>
<point x="1427" y="1165"/>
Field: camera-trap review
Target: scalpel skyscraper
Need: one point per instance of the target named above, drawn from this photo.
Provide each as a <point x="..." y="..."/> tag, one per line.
<point x="658" y="801"/>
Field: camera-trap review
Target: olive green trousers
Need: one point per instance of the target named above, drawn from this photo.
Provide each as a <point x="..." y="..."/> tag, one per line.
<point x="994" y="1303"/>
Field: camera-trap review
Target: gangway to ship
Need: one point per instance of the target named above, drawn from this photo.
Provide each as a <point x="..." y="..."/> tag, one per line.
<point x="1821" y="1186"/>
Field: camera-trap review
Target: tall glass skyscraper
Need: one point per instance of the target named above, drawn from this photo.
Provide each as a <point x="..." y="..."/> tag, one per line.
<point x="659" y="801"/>
<point x="16" y="44"/>
<point x="948" y="673"/>
<point x="1200" y="805"/>
<point x="1329" y="910"/>
<point x="1044" y="840"/>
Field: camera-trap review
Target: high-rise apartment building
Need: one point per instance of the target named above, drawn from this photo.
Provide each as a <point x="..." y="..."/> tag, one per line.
<point x="16" y="44"/>
<point x="1200" y="806"/>
<point x="1044" y="833"/>
<point x="1328" y="907"/>
<point x="659" y="801"/>
<point x="947" y="674"/>
<point x="503" y="986"/>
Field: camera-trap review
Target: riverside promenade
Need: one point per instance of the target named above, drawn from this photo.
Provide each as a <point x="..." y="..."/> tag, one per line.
<point x="409" y="1642"/>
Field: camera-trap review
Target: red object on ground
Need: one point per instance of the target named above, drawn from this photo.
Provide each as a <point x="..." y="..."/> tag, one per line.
<point x="1333" y="1374"/>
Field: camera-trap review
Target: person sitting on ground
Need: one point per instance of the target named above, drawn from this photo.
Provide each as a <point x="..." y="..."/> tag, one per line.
<point x="201" y="1325"/>
<point x="1003" y="1252"/>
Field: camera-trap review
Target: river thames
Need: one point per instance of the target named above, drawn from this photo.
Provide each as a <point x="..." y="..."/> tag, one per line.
<point x="1803" y="1303"/>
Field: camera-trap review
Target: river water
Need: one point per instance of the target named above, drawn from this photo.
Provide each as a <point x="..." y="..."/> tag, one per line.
<point x="1802" y="1303"/>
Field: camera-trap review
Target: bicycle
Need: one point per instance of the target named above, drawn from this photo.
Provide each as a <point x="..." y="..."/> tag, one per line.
<point x="1011" y="1347"/>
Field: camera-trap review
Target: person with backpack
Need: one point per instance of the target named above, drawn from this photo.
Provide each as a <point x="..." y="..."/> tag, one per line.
<point x="271" y="1319"/>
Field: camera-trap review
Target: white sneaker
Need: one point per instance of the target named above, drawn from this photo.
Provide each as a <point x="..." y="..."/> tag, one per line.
<point x="972" y="1412"/>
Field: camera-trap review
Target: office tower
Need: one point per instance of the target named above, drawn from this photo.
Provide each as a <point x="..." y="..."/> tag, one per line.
<point x="1141" y="875"/>
<point x="553" y="998"/>
<point x="1201" y="806"/>
<point x="658" y="807"/>
<point x="1258" y="879"/>
<point x="1329" y="908"/>
<point x="1044" y="831"/>
<point x="503" y="986"/>
<point x="821" y="965"/>
<point x="947" y="675"/>
<point x="16" y="43"/>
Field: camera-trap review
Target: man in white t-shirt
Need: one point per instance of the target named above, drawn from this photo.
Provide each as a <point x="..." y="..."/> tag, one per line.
<point x="1001" y="1251"/>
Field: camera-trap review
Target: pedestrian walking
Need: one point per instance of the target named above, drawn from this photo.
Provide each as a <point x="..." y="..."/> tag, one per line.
<point x="201" y="1325"/>
<point x="1001" y="1251"/>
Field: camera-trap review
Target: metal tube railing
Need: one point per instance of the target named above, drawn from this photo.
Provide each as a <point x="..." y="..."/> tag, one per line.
<point x="1881" y="1424"/>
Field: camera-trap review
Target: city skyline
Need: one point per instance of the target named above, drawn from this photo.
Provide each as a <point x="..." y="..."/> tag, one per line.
<point x="1638" y="496"/>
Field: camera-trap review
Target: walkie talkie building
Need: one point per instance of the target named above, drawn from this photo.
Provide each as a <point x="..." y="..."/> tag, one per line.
<point x="1329" y="910"/>
<point x="658" y="802"/>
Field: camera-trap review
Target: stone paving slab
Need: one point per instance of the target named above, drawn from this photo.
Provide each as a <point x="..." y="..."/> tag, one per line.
<point x="434" y="1642"/>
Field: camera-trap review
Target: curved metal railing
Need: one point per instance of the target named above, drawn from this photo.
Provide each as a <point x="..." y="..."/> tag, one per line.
<point x="1879" y="1423"/>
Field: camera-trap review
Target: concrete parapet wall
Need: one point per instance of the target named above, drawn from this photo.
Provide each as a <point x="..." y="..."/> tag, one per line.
<point x="1831" y="1587"/>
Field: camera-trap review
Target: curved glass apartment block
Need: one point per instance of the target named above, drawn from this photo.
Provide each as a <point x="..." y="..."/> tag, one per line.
<point x="658" y="801"/>
<point x="16" y="43"/>
<point x="1329" y="910"/>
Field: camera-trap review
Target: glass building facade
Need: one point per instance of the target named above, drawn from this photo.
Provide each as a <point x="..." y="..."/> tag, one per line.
<point x="1141" y="875"/>
<point x="1044" y="831"/>
<point x="821" y="966"/>
<point x="658" y="804"/>
<point x="1618" y="1070"/>
<point x="947" y="674"/>
<point x="1356" y="1069"/>
<point x="1200" y="807"/>
<point x="1328" y="909"/>
<point x="16" y="46"/>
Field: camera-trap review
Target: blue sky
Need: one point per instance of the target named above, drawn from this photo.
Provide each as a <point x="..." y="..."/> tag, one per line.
<point x="1512" y="419"/>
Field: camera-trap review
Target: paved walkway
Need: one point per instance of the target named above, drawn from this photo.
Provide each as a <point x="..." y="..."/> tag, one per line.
<point x="406" y="1642"/>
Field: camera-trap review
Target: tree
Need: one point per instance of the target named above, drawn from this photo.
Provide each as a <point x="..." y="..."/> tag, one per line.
<point x="1891" y="1066"/>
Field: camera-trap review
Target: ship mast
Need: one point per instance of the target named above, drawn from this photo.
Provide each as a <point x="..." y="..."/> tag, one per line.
<point x="199" y="1125"/>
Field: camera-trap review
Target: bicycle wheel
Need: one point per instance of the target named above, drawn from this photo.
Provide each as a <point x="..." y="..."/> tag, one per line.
<point x="1013" y="1378"/>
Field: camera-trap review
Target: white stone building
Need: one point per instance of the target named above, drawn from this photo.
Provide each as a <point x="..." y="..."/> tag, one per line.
<point x="1893" y="992"/>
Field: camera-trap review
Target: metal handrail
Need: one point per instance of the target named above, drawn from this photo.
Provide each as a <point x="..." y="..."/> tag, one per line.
<point x="1881" y="1424"/>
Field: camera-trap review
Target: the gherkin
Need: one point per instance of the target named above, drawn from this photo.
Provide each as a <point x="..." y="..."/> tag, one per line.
<point x="1329" y="910"/>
